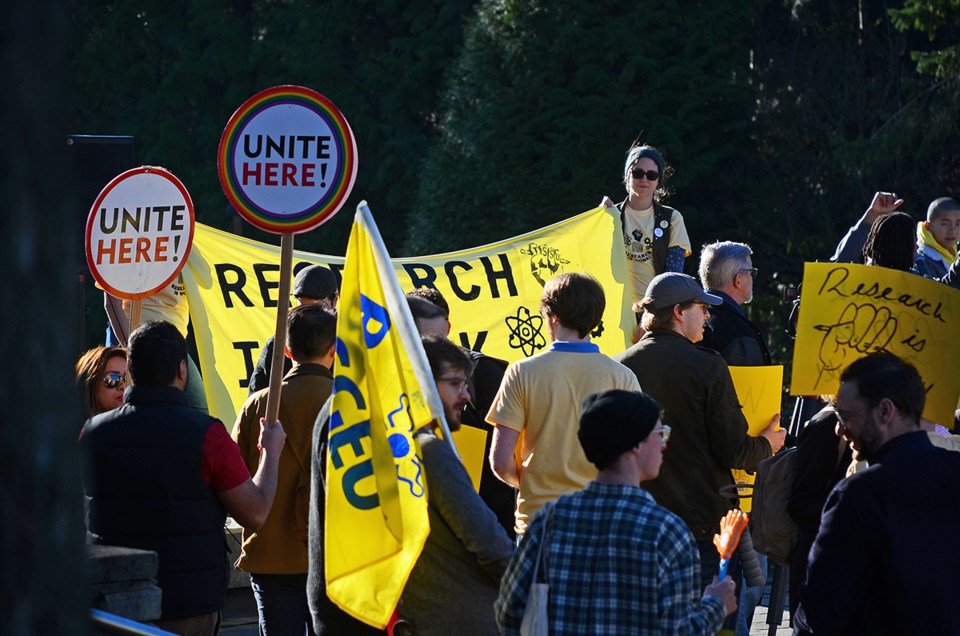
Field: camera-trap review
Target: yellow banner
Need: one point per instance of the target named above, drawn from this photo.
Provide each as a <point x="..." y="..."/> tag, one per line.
<point x="493" y="292"/>
<point x="376" y="519"/>
<point x="848" y="311"/>
<point x="758" y="390"/>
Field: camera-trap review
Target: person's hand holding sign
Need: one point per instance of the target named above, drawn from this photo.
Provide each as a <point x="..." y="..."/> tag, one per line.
<point x="774" y="434"/>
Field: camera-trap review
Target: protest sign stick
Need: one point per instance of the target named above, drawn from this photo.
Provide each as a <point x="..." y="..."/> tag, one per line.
<point x="136" y="308"/>
<point x="280" y="335"/>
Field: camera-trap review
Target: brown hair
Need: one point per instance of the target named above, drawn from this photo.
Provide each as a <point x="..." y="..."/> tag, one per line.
<point x="662" y="318"/>
<point x="89" y="369"/>
<point x="576" y="300"/>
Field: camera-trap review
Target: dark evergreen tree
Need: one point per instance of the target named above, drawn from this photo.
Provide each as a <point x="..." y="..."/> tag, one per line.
<point x="548" y="95"/>
<point x="171" y="73"/>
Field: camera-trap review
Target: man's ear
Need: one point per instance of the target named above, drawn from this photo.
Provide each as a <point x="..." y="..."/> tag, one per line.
<point x="330" y="357"/>
<point x="887" y="410"/>
<point x="286" y="352"/>
<point x="926" y="225"/>
<point x="182" y="372"/>
<point x="677" y="313"/>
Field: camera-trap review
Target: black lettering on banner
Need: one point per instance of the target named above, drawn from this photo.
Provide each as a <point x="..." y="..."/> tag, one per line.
<point x="235" y="287"/>
<point x="505" y="273"/>
<point x="425" y="279"/>
<point x="476" y="346"/>
<point x="247" y="347"/>
<point x="267" y="285"/>
<point x="455" y="286"/>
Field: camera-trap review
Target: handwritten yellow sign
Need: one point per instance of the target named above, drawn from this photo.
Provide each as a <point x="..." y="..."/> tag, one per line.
<point x="848" y="311"/>
<point x="759" y="390"/>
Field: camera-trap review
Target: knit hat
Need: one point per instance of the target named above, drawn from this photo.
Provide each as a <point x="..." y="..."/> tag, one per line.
<point x="315" y="281"/>
<point x="674" y="288"/>
<point x="640" y="152"/>
<point x="613" y="422"/>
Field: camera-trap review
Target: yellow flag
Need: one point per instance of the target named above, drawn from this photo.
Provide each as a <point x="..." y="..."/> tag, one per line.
<point x="376" y="515"/>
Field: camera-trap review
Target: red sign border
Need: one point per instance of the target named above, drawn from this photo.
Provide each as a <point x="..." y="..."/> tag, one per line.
<point x="91" y="217"/>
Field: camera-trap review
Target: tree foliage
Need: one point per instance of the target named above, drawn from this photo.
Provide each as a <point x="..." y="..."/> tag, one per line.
<point x="939" y="20"/>
<point x="172" y="72"/>
<point x="547" y="96"/>
<point x="477" y="121"/>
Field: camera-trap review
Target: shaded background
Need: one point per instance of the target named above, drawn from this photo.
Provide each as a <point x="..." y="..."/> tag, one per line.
<point x="476" y="120"/>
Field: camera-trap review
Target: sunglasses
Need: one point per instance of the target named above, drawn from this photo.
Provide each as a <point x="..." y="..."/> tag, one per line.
<point x="113" y="379"/>
<point x="663" y="432"/>
<point x="651" y="175"/>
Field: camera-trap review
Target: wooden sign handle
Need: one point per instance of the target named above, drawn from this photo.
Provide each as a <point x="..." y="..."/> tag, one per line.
<point x="136" y="308"/>
<point x="280" y="334"/>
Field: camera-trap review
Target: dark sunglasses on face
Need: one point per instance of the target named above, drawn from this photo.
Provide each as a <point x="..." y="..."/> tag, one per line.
<point x="651" y="175"/>
<point x="113" y="379"/>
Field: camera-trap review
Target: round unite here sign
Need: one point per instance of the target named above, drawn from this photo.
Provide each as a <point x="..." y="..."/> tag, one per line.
<point x="287" y="159"/>
<point x="139" y="232"/>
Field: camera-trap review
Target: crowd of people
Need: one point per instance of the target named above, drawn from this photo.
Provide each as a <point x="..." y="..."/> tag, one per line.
<point x="604" y="476"/>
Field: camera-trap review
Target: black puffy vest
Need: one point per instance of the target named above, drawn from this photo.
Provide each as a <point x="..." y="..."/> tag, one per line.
<point x="143" y="489"/>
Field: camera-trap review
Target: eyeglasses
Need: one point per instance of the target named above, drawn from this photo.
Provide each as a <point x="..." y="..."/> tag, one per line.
<point x="753" y="271"/>
<point x="651" y="175"/>
<point x="663" y="432"/>
<point x="113" y="379"/>
<point x="457" y="381"/>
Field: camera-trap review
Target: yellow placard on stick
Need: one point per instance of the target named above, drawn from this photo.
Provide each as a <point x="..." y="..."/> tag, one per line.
<point x="759" y="390"/>
<point x="848" y="311"/>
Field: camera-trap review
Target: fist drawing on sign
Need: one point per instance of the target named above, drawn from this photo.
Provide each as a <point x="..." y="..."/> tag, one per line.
<point x="860" y="329"/>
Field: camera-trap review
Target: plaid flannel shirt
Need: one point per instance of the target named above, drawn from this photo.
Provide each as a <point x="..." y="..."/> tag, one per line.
<point x="616" y="563"/>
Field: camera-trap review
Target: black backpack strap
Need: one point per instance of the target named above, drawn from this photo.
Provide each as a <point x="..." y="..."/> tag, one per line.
<point x="662" y="215"/>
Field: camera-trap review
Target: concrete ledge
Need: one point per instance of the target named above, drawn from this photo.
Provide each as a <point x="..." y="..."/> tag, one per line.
<point x="113" y="563"/>
<point x="139" y="602"/>
<point x="124" y="582"/>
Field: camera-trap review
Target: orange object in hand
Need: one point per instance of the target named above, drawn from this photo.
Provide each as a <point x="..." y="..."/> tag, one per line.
<point x="731" y="529"/>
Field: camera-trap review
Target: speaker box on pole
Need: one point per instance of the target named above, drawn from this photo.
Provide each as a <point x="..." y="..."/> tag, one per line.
<point x="95" y="159"/>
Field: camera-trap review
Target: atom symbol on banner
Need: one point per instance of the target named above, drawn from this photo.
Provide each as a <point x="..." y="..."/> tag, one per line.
<point x="525" y="331"/>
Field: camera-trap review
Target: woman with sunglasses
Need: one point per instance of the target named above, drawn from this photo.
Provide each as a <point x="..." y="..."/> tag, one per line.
<point x="101" y="374"/>
<point x="654" y="235"/>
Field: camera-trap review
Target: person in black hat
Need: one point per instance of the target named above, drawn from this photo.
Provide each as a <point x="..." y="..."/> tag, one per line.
<point x="312" y="284"/>
<point x="694" y="386"/>
<point x="654" y="235"/>
<point x="615" y="561"/>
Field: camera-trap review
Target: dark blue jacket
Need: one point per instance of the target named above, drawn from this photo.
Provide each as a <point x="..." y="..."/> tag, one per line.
<point x="884" y="561"/>
<point x="143" y="489"/>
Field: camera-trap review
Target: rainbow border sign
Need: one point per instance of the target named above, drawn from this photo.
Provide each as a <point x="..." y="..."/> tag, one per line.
<point x="287" y="159"/>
